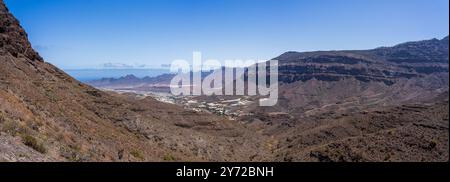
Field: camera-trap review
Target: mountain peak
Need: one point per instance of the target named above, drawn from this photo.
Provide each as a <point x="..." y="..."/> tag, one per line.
<point x="13" y="38"/>
<point x="129" y="77"/>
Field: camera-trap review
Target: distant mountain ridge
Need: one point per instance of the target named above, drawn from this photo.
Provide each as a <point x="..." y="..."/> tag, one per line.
<point x="386" y="64"/>
<point x="132" y="80"/>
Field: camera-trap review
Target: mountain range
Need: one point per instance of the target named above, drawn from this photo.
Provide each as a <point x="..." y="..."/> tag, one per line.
<point x="384" y="104"/>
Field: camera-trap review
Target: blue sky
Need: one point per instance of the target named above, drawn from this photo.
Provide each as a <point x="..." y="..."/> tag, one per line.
<point x="88" y="33"/>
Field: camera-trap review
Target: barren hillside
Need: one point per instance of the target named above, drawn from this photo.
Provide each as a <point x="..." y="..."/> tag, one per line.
<point x="385" y="104"/>
<point x="45" y="115"/>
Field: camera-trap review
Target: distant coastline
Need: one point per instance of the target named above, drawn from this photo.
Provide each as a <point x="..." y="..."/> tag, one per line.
<point x="85" y="75"/>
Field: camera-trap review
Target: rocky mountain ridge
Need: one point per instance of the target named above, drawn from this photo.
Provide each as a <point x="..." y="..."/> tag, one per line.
<point x="387" y="64"/>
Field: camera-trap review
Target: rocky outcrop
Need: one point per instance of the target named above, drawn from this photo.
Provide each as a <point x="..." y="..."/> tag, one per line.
<point x="13" y="39"/>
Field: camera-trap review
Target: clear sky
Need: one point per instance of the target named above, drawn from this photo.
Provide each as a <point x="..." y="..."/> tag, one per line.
<point x="88" y="33"/>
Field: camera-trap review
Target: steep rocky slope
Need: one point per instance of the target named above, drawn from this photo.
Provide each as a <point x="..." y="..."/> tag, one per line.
<point x="385" y="104"/>
<point x="346" y="81"/>
<point x="45" y="115"/>
<point x="412" y="132"/>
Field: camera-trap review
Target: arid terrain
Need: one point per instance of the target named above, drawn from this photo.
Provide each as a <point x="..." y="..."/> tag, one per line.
<point x="45" y="115"/>
<point x="384" y="104"/>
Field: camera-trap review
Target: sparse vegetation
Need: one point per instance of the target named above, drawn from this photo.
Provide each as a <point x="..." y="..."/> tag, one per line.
<point x="432" y="144"/>
<point x="23" y="155"/>
<point x="9" y="126"/>
<point x="387" y="157"/>
<point x="169" y="157"/>
<point x="391" y="132"/>
<point x="32" y="142"/>
<point x="51" y="96"/>
<point x="137" y="154"/>
<point x="70" y="154"/>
